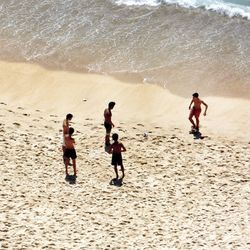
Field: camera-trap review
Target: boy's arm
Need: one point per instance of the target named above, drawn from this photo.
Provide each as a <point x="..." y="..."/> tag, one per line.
<point x="123" y="148"/>
<point x="191" y="104"/>
<point x="110" y="149"/>
<point x="206" y="106"/>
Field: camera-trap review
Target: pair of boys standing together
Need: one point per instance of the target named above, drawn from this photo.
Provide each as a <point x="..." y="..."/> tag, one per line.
<point x="117" y="148"/>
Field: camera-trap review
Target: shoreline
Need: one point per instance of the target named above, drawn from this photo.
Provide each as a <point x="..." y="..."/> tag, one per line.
<point x="88" y="94"/>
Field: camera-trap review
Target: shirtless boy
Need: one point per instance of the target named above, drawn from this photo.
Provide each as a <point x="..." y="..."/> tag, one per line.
<point x="66" y="128"/>
<point x="70" y="151"/>
<point x="108" y="124"/>
<point x="196" y="110"/>
<point x="116" y="149"/>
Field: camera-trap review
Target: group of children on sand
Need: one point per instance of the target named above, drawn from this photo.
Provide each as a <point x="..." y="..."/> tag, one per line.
<point x="116" y="148"/>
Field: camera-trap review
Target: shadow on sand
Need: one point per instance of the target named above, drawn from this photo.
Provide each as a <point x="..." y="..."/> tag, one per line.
<point x="116" y="182"/>
<point x="197" y="135"/>
<point x="71" y="179"/>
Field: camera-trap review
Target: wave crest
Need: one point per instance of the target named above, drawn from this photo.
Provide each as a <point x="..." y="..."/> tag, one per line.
<point x="221" y="7"/>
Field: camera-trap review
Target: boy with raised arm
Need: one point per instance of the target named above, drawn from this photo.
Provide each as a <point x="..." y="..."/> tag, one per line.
<point x="196" y="110"/>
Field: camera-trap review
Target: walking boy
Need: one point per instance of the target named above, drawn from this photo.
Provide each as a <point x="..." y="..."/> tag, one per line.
<point x="70" y="151"/>
<point x="196" y="110"/>
<point x="116" y="149"/>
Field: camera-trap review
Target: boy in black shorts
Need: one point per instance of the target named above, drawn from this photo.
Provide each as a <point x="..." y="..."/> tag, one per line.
<point x="116" y="149"/>
<point x="70" y="151"/>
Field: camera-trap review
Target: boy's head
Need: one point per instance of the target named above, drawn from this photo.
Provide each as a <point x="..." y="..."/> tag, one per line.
<point x="111" y="105"/>
<point x="69" y="116"/>
<point x="115" y="137"/>
<point x="195" y="95"/>
<point x="71" y="131"/>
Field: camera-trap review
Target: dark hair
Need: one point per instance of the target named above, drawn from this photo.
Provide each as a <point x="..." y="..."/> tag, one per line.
<point x="195" y="95"/>
<point x="111" y="105"/>
<point x="69" y="116"/>
<point x="71" y="131"/>
<point x="115" y="137"/>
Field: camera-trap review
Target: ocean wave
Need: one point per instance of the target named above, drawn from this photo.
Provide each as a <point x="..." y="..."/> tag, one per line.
<point x="221" y="7"/>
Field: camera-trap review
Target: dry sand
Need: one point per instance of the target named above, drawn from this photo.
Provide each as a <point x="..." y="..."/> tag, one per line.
<point x="179" y="192"/>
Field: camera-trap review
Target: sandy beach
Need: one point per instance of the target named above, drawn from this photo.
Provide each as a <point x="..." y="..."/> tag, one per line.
<point x="179" y="192"/>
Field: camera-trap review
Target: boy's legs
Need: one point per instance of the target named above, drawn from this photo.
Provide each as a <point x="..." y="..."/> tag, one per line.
<point x="66" y="165"/>
<point x="108" y="128"/>
<point x="122" y="169"/>
<point x="197" y="115"/>
<point x="116" y="171"/>
<point x="74" y="166"/>
<point x="190" y="119"/>
<point x="64" y="158"/>
<point x="107" y="141"/>
<point x="197" y="122"/>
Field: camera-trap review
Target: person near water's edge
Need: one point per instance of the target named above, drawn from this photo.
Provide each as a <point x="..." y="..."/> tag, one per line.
<point x="108" y="124"/>
<point x="195" y="111"/>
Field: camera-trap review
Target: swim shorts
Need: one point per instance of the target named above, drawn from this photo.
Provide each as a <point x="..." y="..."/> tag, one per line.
<point x="108" y="127"/>
<point x="116" y="159"/>
<point x="195" y="112"/>
<point x="70" y="153"/>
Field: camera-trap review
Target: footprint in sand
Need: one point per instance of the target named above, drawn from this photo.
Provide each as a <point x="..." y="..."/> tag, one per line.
<point x="17" y="124"/>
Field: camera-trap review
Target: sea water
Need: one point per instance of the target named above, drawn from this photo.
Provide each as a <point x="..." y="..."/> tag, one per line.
<point x="182" y="45"/>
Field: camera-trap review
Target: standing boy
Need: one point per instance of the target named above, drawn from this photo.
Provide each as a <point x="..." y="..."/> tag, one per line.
<point x="70" y="151"/>
<point x="66" y="129"/>
<point x="116" y="149"/>
<point x="196" y="110"/>
<point x="108" y="124"/>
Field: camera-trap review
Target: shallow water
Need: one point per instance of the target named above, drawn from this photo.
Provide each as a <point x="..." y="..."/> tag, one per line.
<point x="182" y="49"/>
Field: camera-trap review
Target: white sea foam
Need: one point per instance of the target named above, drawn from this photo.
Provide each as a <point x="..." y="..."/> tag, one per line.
<point x="167" y="45"/>
<point x="228" y="8"/>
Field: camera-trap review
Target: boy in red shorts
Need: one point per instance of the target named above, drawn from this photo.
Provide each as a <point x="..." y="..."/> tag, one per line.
<point x="196" y="110"/>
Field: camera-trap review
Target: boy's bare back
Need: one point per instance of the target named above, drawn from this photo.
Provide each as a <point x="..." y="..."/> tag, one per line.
<point x="197" y="102"/>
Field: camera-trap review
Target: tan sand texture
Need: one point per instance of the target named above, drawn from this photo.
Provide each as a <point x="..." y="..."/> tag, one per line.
<point x="178" y="192"/>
